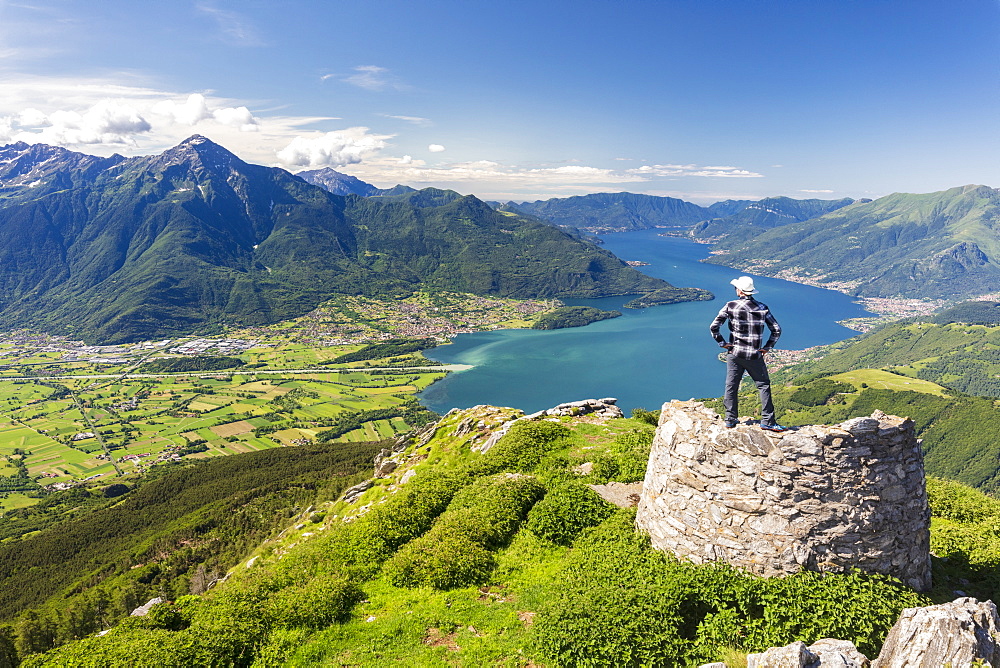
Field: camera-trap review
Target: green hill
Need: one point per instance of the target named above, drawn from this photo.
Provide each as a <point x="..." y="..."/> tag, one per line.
<point x="937" y="245"/>
<point x="965" y="358"/>
<point x="614" y="211"/>
<point x="765" y="214"/>
<point x="114" y="249"/>
<point x="508" y="558"/>
<point x="81" y="559"/>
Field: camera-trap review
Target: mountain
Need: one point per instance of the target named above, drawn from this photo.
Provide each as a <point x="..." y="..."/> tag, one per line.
<point x="337" y="183"/>
<point x="614" y="212"/>
<point x="753" y="217"/>
<point x="936" y="245"/>
<point x="119" y="249"/>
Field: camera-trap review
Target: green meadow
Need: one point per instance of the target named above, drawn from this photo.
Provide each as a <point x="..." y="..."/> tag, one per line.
<point x="66" y="429"/>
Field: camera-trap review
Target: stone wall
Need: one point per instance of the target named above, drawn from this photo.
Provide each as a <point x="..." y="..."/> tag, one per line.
<point x="822" y="498"/>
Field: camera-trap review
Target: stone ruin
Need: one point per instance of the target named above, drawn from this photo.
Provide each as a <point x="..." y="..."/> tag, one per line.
<point x="820" y="498"/>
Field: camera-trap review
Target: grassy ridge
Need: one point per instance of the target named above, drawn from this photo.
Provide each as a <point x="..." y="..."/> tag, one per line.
<point x="501" y="592"/>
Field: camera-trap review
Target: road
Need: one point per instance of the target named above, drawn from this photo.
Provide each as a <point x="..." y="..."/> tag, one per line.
<point x="236" y="372"/>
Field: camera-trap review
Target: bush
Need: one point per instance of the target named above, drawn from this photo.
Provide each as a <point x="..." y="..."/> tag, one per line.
<point x="522" y="448"/>
<point x="440" y="561"/>
<point x="649" y="417"/>
<point x="820" y="392"/>
<point x="362" y="546"/>
<point x="456" y="551"/>
<point x="627" y="459"/>
<point x="317" y="603"/>
<point x="621" y="603"/>
<point x="566" y="511"/>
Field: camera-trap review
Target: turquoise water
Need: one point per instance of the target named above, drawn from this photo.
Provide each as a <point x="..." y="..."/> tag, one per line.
<point x="644" y="358"/>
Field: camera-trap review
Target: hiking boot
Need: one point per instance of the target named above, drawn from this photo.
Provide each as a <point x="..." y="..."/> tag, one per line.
<point x="731" y="423"/>
<point x="774" y="426"/>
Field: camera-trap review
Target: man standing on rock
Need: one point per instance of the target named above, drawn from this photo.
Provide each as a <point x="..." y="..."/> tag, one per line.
<point x="747" y="318"/>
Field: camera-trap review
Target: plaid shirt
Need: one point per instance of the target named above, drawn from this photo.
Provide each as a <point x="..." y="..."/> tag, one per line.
<point x="747" y="318"/>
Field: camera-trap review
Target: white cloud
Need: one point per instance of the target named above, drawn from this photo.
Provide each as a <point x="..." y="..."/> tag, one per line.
<point x="415" y="120"/>
<point x="373" y="78"/>
<point x="106" y="122"/>
<point x="234" y="28"/>
<point x="237" y="117"/>
<point x="332" y="149"/>
<point x="76" y="112"/>
<point x="483" y="172"/>
<point x="104" y="115"/>
<point x="195" y="109"/>
<point x="822" y="191"/>
<point x="693" y="170"/>
<point x="435" y="148"/>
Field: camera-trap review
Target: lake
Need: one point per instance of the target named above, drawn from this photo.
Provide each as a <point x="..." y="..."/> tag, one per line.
<point x="644" y="358"/>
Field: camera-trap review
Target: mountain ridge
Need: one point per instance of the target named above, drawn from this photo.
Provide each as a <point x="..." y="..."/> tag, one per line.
<point x="118" y="249"/>
<point x="936" y="245"/>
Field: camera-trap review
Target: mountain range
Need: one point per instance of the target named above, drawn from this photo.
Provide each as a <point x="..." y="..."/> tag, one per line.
<point x="618" y="212"/>
<point x="943" y="245"/>
<point x="119" y="249"/>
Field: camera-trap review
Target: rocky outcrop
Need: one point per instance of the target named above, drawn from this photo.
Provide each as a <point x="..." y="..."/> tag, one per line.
<point x="621" y="494"/>
<point x="821" y="498"/>
<point x="826" y="653"/>
<point x="958" y="634"/>
<point x="602" y="408"/>
<point x="143" y="610"/>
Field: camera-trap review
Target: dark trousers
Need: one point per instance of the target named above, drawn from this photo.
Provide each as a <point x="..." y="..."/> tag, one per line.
<point x="735" y="368"/>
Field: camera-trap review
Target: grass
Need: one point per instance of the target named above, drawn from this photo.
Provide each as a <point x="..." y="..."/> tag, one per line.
<point x="425" y="627"/>
<point x="885" y="380"/>
<point x="12" y="500"/>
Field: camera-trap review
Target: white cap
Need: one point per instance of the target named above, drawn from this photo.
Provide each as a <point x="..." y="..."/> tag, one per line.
<point x="744" y="284"/>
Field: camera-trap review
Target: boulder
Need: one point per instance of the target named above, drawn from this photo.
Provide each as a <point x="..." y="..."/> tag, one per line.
<point x="955" y="634"/>
<point x="796" y="655"/>
<point x="143" y="610"/>
<point x="825" y="653"/>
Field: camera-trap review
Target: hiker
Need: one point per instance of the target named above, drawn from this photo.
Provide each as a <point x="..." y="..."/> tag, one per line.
<point x="747" y="318"/>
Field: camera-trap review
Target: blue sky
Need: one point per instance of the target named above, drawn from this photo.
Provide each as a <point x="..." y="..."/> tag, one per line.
<point x="698" y="99"/>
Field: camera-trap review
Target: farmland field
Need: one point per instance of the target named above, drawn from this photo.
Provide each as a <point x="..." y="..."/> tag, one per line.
<point x="66" y="429"/>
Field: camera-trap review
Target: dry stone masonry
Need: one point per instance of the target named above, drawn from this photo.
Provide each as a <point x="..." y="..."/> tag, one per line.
<point x="821" y="498"/>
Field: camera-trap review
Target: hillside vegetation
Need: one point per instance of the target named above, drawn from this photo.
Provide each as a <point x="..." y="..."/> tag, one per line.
<point x="764" y="214"/>
<point x="572" y="316"/>
<point x="80" y="561"/>
<point x="508" y="558"/>
<point x="942" y="245"/>
<point x="965" y="358"/>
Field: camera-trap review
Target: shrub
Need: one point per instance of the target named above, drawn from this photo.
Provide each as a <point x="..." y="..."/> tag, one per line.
<point x="566" y="511"/>
<point x="819" y="392"/>
<point x="317" y="603"/>
<point x="440" y="561"/>
<point x="362" y="546"/>
<point x="627" y="458"/>
<point x="522" y="448"/>
<point x="649" y="417"/>
<point x="456" y="551"/>
<point x="619" y="602"/>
